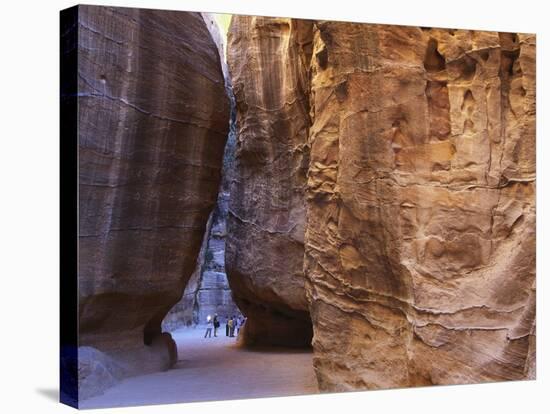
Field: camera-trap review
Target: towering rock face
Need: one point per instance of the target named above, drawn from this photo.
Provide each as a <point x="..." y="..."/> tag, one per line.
<point x="153" y="121"/>
<point x="420" y="230"/>
<point x="264" y="251"/>
<point x="420" y="243"/>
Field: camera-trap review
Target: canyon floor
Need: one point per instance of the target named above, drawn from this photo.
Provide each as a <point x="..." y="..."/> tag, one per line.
<point x="215" y="369"/>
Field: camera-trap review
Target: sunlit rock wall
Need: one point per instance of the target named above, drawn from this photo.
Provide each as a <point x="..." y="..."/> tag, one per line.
<point x="420" y="242"/>
<point x="420" y="195"/>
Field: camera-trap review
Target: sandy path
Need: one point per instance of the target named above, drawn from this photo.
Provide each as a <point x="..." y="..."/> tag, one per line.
<point x="215" y="369"/>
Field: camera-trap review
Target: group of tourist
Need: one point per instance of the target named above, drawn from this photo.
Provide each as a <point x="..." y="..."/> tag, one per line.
<point x="233" y="325"/>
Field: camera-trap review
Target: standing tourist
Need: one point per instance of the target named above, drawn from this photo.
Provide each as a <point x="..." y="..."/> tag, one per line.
<point x="239" y="324"/>
<point x="226" y="325"/>
<point x="235" y="325"/>
<point x="208" y="327"/>
<point x="231" y="324"/>
<point x="216" y="324"/>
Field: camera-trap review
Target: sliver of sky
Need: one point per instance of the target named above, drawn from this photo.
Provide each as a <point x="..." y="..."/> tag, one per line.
<point x="223" y="21"/>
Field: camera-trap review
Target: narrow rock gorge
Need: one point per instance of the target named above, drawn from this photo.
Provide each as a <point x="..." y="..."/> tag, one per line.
<point x="208" y="291"/>
<point x="385" y="191"/>
<point x="153" y="122"/>
<point x="377" y="202"/>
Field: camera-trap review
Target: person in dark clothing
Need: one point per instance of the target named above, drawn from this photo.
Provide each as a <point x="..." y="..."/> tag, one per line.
<point x="216" y="324"/>
<point x="226" y="325"/>
<point x="231" y="324"/>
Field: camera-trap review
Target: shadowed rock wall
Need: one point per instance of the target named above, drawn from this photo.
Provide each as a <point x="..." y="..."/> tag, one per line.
<point x="207" y="291"/>
<point x="185" y="312"/>
<point x="153" y="121"/>
<point x="420" y="196"/>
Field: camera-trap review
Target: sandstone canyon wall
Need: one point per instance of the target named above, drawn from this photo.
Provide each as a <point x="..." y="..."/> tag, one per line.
<point x="153" y="122"/>
<point x="413" y="150"/>
<point x="265" y="243"/>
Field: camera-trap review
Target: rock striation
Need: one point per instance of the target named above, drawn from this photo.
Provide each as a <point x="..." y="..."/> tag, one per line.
<point x="265" y="242"/>
<point x="397" y="164"/>
<point x="153" y="122"/>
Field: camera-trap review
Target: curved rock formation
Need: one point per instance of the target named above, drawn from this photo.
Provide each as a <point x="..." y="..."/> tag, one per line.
<point x="153" y="121"/>
<point x="420" y="232"/>
<point x="264" y="250"/>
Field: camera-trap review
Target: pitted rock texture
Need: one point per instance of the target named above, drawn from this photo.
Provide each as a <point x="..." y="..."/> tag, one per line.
<point x="265" y="250"/>
<point x="420" y="230"/>
<point x="420" y="243"/>
<point x="153" y="121"/>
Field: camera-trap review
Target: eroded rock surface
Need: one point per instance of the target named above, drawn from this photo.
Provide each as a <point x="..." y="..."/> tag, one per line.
<point x="420" y="243"/>
<point x="420" y="230"/>
<point x="153" y="121"/>
<point x="265" y="250"/>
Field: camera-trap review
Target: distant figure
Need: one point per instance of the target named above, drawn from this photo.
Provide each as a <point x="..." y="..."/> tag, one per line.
<point x="208" y="327"/>
<point x="240" y="322"/>
<point x="216" y="324"/>
<point x="231" y="324"/>
<point x="226" y="325"/>
<point x="237" y="325"/>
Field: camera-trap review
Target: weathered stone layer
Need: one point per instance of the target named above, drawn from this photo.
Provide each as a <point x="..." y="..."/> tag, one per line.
<point x="153" y="121"/>
<point x="419" y="147"/>
<point x="420" y="240"/>
<point x="264" y="250"/>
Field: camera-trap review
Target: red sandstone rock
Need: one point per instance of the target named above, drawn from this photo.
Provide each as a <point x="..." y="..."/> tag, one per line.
<point x="419" y="146"/>
<point x="264" y="250"/>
